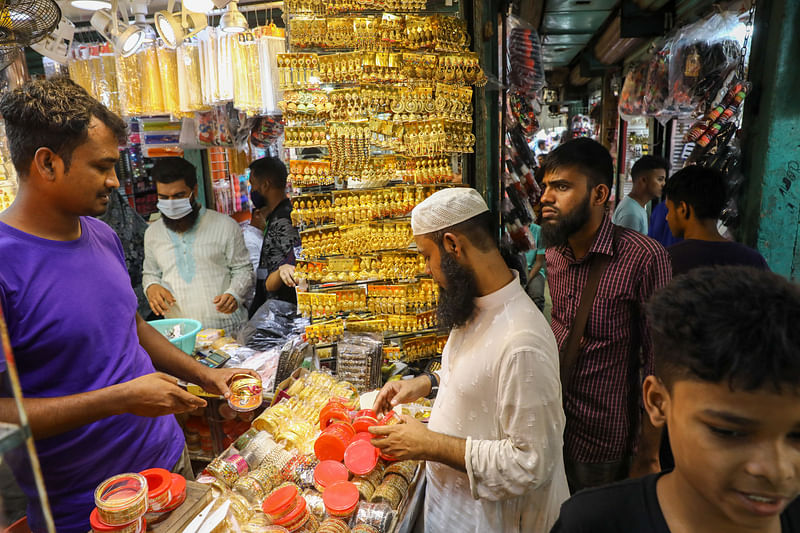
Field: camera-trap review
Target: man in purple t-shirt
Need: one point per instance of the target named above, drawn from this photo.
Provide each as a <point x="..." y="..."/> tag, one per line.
<point x="87" y="361"/>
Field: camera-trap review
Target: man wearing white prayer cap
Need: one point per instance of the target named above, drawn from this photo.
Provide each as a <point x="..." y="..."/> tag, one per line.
<point x="494" y="440"/>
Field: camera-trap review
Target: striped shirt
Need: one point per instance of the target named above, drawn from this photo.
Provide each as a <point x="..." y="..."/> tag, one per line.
<point x="196" y="266"/>
<point x="596" y="402"/>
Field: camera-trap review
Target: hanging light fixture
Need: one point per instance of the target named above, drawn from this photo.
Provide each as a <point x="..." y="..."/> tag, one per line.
<point x="56" y="45"/>
<point x="232" y="21"/>
<point x="173" y="28"/>
<point x="198" y="6"/>
<point x="126" y="38"/>
<point x="90" y="5"/>
<point x="139" y="17"/>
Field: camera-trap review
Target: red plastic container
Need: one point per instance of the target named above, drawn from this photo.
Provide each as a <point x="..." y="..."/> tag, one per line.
<point x="333" y="441"/>
<point x="341" y="499"/>
<point x="281" y="502"/>
<point x="361" y="457"/>
<point x="333" y="411"/>
<point x="99" y="527"/>
<point x="363" y="435"/>
<point x="159" y="482"/>
<point x="365" y="419"/>
<point x="178" y="492"/>
<point x="296" y="517"/>
<point x="329" y="472"/>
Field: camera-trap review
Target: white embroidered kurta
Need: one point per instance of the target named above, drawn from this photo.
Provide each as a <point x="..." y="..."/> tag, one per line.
<point x="500" y="390"/>
<point x="198" y="265"/>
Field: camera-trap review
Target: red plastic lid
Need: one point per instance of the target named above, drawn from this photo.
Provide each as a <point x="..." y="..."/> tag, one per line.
<point x="363" y="435"/>
<point x="331" y="413"/>
<point x="363" y="423"/>
<point x="367" y="412"/>
<point x="345" y="427"/>
<point x="340" y="497"/>
<point x="177" y="487"/>
<point x="280" y="500"/>
<point x="329" y="447"/>
<point x="175" y="502"/>
<point x="294" y="515"/>
<point x="361" y="457"/>
<point x="99" y="525"/>
<point x="329" y="472"/>
<point x="158" y="480"/>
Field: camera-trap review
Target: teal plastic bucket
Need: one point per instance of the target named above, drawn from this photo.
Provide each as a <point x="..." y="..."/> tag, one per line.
<point x="190" y="328"/>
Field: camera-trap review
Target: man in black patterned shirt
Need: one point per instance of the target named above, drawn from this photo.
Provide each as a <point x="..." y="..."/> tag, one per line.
<point x="275" y="274"/>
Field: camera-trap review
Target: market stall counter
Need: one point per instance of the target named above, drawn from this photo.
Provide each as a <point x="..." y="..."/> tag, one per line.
<point x="274" y="477"/>
<point x="303" y="467"/>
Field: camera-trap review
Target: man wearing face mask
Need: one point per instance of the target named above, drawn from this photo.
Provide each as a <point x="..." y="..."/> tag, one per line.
<point x="275" y="274"/>
<point x="195" y="261"/>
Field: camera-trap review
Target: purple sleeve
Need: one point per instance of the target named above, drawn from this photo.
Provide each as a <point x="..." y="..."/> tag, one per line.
<point x="118" y="250"/>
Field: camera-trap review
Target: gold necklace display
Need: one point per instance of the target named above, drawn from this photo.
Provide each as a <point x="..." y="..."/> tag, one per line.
<point x="383" y="93"/>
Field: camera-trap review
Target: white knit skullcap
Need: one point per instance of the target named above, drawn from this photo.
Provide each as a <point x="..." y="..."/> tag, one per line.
<point x="446" y="208"/>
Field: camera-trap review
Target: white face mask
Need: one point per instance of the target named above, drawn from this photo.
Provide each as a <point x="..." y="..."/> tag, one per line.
<point x="175" y="209"/>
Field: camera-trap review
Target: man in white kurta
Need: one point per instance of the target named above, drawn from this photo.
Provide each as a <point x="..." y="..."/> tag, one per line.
<point x="197" y="265"/>
<point x="494" y="441"/>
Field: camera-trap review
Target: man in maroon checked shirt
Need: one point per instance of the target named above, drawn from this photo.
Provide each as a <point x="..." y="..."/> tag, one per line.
<point x="606" y="439"/>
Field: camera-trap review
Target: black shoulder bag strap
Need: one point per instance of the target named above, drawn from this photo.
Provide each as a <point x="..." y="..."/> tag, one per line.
<point x="572" y="345"/>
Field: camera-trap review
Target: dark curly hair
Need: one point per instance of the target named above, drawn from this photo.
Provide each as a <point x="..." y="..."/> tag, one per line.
<point x="702" y="188"/>
<point x="647" y="163"/>
<point x="172" y="169"/>
<point x="271" y="169"/>
<point x="589" y="157"/>
<point x="55" y="114"/>
<point x="728" y="324"/>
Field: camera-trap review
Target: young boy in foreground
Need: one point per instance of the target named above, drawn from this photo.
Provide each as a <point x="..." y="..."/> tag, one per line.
<point x="727" y="349"/>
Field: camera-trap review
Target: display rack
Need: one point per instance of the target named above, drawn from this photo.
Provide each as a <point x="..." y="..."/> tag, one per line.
<point x="19" y="436"/>
<point x="378" y="108"/>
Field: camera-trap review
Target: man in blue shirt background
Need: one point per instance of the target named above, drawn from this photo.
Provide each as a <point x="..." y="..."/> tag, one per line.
<point x="649" y="175"/>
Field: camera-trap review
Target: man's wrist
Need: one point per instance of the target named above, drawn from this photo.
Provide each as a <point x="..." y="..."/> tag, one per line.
<point x="433" y="385"/>
<point x="235" y="297"/>
<point x="423" y="385"/>
<point x="147" y="286"/>
<point x="122" y="397"/>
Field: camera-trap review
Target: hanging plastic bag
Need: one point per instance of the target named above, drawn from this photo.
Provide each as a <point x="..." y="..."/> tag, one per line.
<point x="657" y="84"/>
<point x="525" y="68"/>
<point x="269" y="46"/>
<point x="523" y="110"/>
<point x="247" y="74"/>
<point x="130" y="94"/>
<point x="150" y="76"/>
<point x="189" y="78"/>
<point x="704" y="54"/>
<point x="79" y="67"/>
<point x="631" y="98"/>
<point x="110" y="96"/>
<point x="206" y="128"/>
<point x="208" y="66"/>
<point x="266" y="131"/>
<point x="225" y="70"/>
